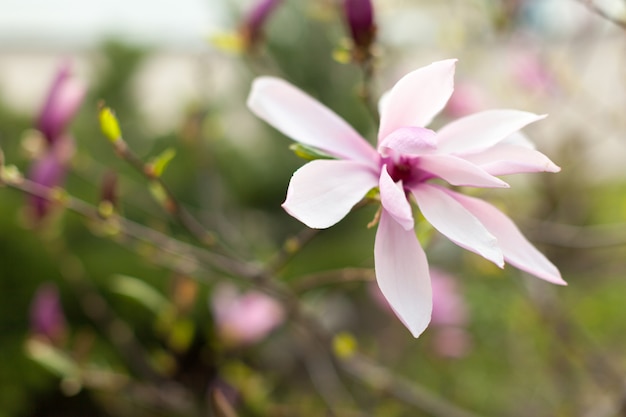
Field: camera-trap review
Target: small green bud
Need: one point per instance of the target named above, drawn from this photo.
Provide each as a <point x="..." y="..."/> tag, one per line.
<point x="160" y="162"/>
<point x="344" y="345"/>
<point x="109" y="125"/>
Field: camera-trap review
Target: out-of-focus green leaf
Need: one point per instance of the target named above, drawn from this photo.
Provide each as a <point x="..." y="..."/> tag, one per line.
<point x="51" y="358"/>
<point x="141" y="292"/>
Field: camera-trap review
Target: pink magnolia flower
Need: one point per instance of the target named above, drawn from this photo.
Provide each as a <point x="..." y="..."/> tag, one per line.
<point x="470" y="151"/>
<point x="244" y="318"/>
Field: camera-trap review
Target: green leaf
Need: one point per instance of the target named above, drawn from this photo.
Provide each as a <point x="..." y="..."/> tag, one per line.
<point x="160" y="162"/>
<point x="141" y="292"/>
<point x="308" y="152"/>
<point x="51" y="358"/>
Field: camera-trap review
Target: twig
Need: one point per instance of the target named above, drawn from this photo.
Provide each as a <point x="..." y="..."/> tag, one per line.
<point x="410" y="393"/>
<point x="579" y="237"/>
<point x="137" y="231"/>
<point x="365" y="92"/>
<point x="341" y="276"/>
<point x="590" y="4"/>
<point x="290" y="248"/>
<point x="171" y="205"/>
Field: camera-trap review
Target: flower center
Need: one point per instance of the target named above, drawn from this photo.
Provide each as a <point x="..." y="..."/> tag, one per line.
<point x="401" y="170"/>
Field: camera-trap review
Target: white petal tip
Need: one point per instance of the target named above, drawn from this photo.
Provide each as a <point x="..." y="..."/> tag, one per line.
<point x="556" y="280"/>
<point x="553" y="168"/>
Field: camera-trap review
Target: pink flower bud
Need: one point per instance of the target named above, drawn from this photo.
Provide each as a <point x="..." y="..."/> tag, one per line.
<point x="61" y="104"/>
<point x="360" y="18"/>
<point x="46" y="315"/>
<point x="252" y="28"/>
<point x="49" y="171"/>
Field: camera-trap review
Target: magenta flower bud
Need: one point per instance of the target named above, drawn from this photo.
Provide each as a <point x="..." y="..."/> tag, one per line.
<point x="61" y="104"/>
<point x="252" y="28"/>
<point x="46" y="314"/>
<point x="49" y="171"/>
<point x="360" y="19"/>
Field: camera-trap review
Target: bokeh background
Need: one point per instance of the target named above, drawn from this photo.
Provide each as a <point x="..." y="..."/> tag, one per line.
<point x="136" y="332"/>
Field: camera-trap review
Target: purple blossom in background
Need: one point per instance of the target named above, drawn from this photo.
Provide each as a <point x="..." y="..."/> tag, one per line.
<point x="449" y="317"/>
<point x="466" y="99"/>
<point x="252" y="28"/>
<point x="532" y="74"/>
<point x="60" y="106"/>
<point x="469" y="152"/>
<point x="360" y="19"/>
<point x="246" y="318"/>
<point x="50" y="172"/>
<point x="46" y="314"/>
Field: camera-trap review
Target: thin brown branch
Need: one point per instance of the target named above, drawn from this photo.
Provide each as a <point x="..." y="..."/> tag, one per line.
<point x="341" y="276"/>
<point x="409" y="392"/>
<point x="172" y="205"/>
<point x="578" y="237"/>
<point x="592" y="6"/>
<point x="163" y="242"/>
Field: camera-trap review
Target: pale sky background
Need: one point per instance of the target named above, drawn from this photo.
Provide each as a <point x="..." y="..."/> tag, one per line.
<point x="70" y="24"/>
<point x="36" y="35"/>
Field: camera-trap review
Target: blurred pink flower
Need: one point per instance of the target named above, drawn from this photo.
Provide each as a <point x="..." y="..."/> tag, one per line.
<point x="531" y="73"/>
<point x="244" y="318"/>
<point x="46" y="315"/>
<point x="449" y="308"/>
<point x="450" y="316"/>
<point x="61" y="104"/>
<point x="467" y="99"/>
<point x="467" y="152"/>
<point x="452" y="342"/>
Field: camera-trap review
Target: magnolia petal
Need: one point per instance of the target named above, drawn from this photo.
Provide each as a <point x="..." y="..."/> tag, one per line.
<point x="417" y="97"/>
<point x="518" y="251"/>
<point x="305" y="120"/>
<point x="402" y="273"/>
<point x="458" y="171"/>
<point x="322" y="192"/>
<point x="409" y="140"/>
<point x="504" y="159"/>
<point x="394" y="200"/>
<point x="519" y="139"/>
<point x="458" y="224"/>
<point x="482" y="130"/>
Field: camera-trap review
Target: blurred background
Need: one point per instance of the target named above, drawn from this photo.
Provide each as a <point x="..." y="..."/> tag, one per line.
<point x="95" y="323"/>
